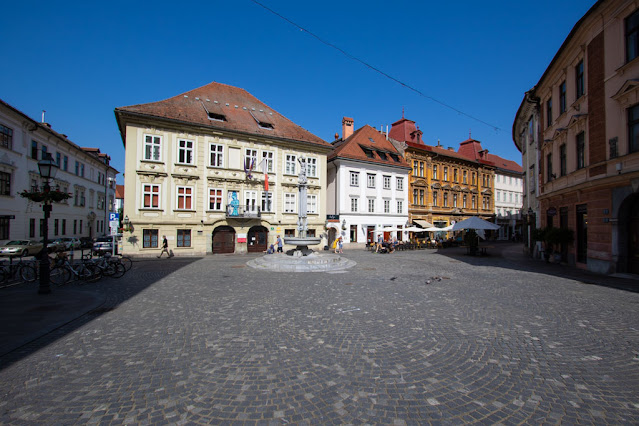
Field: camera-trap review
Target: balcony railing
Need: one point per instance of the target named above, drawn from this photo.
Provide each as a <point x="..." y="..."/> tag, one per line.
<point x="242" y="211"/>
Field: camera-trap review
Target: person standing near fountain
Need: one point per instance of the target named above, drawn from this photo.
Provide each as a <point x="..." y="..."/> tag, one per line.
<point x="279" y="244"/>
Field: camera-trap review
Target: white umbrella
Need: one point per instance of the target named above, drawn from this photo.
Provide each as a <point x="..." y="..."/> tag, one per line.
<point x="390" y="229"/>
<point x="474" y="223"/>
<point x="433" y="229"/>
<point x="414" y="229"/>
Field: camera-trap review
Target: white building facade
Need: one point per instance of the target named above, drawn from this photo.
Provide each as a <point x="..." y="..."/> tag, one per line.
<point x="85" y="173"/>
<point x="367" y="188"/>
<point x="508" y="203"/>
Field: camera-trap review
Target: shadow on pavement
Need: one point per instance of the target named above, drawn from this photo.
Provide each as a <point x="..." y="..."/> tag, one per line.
<point x="30" y="321"/>
<point x="511" y="256"/>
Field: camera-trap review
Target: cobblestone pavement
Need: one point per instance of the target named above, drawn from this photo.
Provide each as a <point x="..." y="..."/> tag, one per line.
<point x="413" y="337"/>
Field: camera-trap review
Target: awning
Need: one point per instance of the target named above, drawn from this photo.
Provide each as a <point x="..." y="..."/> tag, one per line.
<point x="422" y="223"/>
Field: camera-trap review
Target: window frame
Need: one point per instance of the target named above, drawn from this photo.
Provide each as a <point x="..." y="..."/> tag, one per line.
<point x="631" y="36"/>
<point x="290" y="202"/>
<point x="354" y="205"/>
<point x="266" y="201"/>
<point x="213" y="199"/>
<point x="5" y="183"/>
<point x="152" y="195"/>
<point x="217" y="154"/>
<point x="370" y="180"/>
<point x="400" y="183"/>
<point x="187" y="195"/>
<point x="148" y="240"/>
<point x="151" y="147"/>
<point x="182" y="235"/>
<point x="580" y="145"/>
<point x="311" y="203"/>
<point x="355" y="179"/>
<point x="633" y="128"/>
<point x="549" y="112"/>
<point x="188" y="152"/>
<point x="386" y="182"/>
<point x="290" y="164"/>
<point x="311" y="167"/>
<point x="6" y="138"/>
<point x="579" y="80"/>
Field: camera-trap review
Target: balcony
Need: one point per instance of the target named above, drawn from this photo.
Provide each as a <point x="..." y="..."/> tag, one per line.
<point x="242" y="212"/>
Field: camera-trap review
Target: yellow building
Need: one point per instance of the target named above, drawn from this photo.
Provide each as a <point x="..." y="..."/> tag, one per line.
<point x="444" y="186"/>
<point x="215" y="170"/>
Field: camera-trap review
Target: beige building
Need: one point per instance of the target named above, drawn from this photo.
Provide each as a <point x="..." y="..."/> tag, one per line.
<point x="194" y="172"/>
<point x="578" y="131"/>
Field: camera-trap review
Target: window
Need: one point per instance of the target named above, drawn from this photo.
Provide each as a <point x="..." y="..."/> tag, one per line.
<point x="5" y="183"/>
<point x="434" y="198"/>
<point x="56" y="226"/>
<point x="152" y="147"/>
<point x="498" y="195"/>
<point x="34" y="150"/>
<point x="445" y="173"/>
<point x="149" y="238"/>
<point x="250" y="159"/>
<point x="77" y="168"/>
<point x="562" y="160"/>
<point x="371" y="205"/>
<point x="65" y="164"/>
<point x="549" y="112"/>
<point x="41" y="227"/>
<point x="184" y="198"/>
<point x="632" y="36"/>
<point x="80" y="226"/>
<point x="465" y="177"/>
<point x="415" y="196"/>
<point x="311" y="167"/>
<point x="185" y="152"/>
<point x="81" y="169"/>
<point x="474" y="178"/>
<point x="151" y="196"/>
<point x="183" y="238"/>
<point x="6" y="139"/>
<point x="81" y="199"/>
<point x="4" y="228"/>
<point x="454" y="200"/>
<point x="216" y="155"/>
<point x="562" y="97"/>
<point x="548" y="167"/>
<point x="435" y="172"/>
<point x="354" y="179"/>
<point x="354" y="205"/>
<point x="268" y="156"/>
<point x="445" y="199"/>
<point x="289" y="233"/>
<point x="289" y="203"/>
<point x="386" y="206"/>
<point x="371" y="180"/>
<point x="31" y="228"/>
<point x="311" y="204"/>
<point x="215" y="199"/>
<point x="250" y="201"/>
<point x="415" y="168"/>
<point x="400" y="207"/>
<point x="454" y="175"/>
<point x="614" y="148"/>
<point x="464" y="199"/>
<point x="421" y="169"/>
<point x="531" y="179"/>
<point x="581" y="151"/>
<point x="579" y="79"/>
<point x="267" y="201"/>
<point x="400" y="184"/>
<point x="44" y="155"/>
<point x="633" y="129"/>
<point x="474" y="202"/>
<point x="64" y="226"/>
<point x="387" y="182"/>
<point x="421" y="197"/>
<point x="290" y="165"/>
<point x="75" y="226"/>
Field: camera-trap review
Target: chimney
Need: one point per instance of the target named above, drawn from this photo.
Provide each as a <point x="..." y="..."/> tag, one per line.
<point x="347" y="127"/>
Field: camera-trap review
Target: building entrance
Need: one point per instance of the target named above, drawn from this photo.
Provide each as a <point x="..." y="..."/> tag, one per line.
<point x="257" y="239"/>
<point x="223" y="240"/>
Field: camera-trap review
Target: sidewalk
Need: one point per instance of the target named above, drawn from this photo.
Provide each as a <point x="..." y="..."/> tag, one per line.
<point x="26" y="315"/>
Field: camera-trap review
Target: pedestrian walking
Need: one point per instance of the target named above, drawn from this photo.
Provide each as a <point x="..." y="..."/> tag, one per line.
<point x="340" y="245"/>
<point x="165" y="247"/>
<point x="280" y="244"/>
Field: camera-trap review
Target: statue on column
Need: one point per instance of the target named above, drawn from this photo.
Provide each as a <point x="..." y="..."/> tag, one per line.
<point x="301" y="218"/>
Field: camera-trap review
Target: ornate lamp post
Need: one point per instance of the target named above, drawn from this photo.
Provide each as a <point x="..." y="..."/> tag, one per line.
<point x="47" y="168"/>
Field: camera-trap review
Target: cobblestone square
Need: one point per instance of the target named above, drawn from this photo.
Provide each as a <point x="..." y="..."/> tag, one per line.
<point x="414" y="337"/>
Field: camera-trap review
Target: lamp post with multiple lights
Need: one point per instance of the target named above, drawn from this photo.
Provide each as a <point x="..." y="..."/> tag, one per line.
<point x="47" y="168"/>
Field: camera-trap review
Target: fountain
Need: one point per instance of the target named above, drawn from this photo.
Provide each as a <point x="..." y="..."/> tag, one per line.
<point x="301" y="258"/>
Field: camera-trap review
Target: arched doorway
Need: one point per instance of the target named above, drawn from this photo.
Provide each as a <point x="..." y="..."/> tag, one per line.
<point x="257" y="239"/>
<point x="223" y="240"/>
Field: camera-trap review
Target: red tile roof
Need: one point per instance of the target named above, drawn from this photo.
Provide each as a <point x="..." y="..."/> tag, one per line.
<point x="367" y="138"/>
<point x="471" y="148"/>
<point x="241" y="111"/>
<point x="119" y="191"/>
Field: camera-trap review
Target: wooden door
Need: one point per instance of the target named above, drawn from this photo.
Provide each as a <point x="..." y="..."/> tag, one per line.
<point x="257" y="238"/>
<point x="224" y="240"/>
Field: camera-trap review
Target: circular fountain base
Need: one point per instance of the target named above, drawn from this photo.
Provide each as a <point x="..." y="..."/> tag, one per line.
<point x="313" y="262"/>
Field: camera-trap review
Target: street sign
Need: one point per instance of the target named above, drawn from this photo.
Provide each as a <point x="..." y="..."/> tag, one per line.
<point x="114" y="217"/>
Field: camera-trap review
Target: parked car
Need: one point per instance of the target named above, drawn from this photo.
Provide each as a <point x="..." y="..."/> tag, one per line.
<point x="71" y="242"/>
<point x="104" y="244"/>
<point x="86" y="242"/>
<point x="55" y="245"/>
<point x="21" y="248"/>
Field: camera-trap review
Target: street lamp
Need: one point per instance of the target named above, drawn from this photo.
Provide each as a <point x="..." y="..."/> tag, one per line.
<point x="47" y="168"/>
<point x="127" y="223"/>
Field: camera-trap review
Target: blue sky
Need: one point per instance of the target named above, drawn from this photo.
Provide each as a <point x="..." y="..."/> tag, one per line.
<point x="80" y="60"/>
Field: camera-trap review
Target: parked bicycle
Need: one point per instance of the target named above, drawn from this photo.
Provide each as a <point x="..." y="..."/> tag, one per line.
<point x="111" y="266"/>
<point x="65" y="271"/>
<point x="25" y="270"/>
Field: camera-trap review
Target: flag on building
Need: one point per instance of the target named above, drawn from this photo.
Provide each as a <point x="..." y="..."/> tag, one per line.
<point x="264" y="165"/>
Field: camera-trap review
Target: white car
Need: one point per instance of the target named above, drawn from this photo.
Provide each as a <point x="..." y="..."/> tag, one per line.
<point x="71" y="243"/>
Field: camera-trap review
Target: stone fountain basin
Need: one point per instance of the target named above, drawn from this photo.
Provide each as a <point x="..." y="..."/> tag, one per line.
<point x="299" y="241"/>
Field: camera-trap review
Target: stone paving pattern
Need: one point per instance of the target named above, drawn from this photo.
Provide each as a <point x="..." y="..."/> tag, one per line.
<point x="489" y="340"/>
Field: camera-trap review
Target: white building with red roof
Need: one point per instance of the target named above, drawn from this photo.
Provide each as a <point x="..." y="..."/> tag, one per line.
<point x="367" y="186"/>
